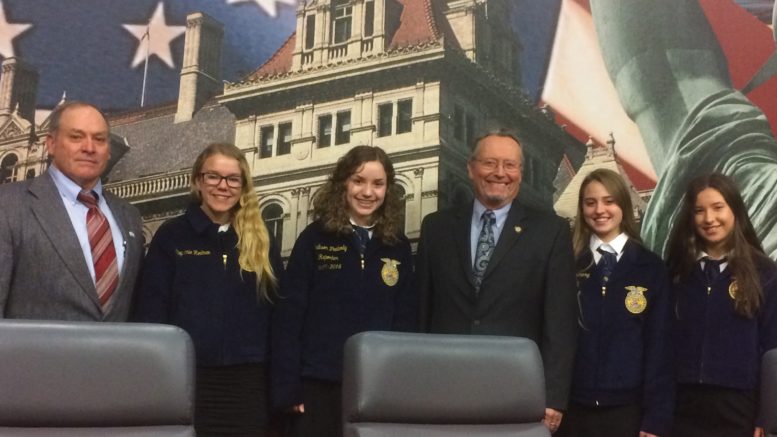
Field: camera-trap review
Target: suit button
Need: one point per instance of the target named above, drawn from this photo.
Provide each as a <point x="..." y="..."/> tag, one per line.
<point x="476" y="322"/>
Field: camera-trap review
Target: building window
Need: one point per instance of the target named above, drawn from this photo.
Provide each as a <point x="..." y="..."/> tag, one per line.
<point x="30" y="174"/>
<point x="284" y="138"/>
<point x="310" y="31"/>
<point x="325" y="130"/>
<point x="385" y="119"/>
<point x="266" y="141"/>
<point x="343" y="133"/>
<point x="403" y="207"/>
<point x="369" y="18"/>
<point x="458" y="122"/>
<point x="470" y="129"/>
<point x="273" y="219"/>
<point x="342" y="21"/>
<point x="8" y="169"/>
<point x="528" y="172"/>
<point x="404" y="116"/>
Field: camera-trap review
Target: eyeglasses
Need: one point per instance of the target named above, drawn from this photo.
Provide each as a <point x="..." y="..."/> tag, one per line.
<point x="214" y="179"/>
<point x="493" y="164"/>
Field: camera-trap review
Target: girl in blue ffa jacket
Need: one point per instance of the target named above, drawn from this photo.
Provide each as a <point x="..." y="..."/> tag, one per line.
<point x="622" y="384"/>
<point x="350" y="271"/>
<point x="725" y="292"/>
<point x="212" y="272"/>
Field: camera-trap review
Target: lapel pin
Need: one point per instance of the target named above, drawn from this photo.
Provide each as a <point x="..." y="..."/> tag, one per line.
<point x="518" y="229"/>
<point x="131" y="234"/>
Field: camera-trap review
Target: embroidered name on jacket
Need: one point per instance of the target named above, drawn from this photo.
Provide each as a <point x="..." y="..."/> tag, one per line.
<point x="328" y="257"/>
<point x="189" y="252"/>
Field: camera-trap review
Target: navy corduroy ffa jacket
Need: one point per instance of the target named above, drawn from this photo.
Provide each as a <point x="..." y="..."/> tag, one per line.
<point x="328" y="295"/>
<point x="715" y="345"/>
<point x="625" y="357"/>
<point x="191" y="279"/>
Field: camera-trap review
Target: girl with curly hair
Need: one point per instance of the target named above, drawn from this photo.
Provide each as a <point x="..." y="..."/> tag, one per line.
<point x="350" y="271"/>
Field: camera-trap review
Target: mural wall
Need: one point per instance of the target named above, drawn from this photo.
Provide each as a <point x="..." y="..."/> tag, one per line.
<point x="654" y="91"/>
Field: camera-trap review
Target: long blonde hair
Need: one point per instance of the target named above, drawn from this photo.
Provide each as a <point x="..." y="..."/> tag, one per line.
<point x="253" y="240"/>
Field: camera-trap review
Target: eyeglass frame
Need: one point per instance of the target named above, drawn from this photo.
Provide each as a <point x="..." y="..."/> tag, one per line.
<point x="226" y="179"/>
<point x="492" y="164"/>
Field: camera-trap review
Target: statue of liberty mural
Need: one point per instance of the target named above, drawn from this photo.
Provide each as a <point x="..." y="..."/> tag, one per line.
<point x="672" y="79"/>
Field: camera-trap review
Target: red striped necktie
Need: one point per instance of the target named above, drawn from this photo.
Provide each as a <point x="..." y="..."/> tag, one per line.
<point x="106" y="269"/>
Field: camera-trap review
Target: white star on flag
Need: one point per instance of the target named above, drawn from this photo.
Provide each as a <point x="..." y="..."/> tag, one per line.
<point x="8" y="32"/>
<point x="160" y="35"/>
<point x="269" y="6"/>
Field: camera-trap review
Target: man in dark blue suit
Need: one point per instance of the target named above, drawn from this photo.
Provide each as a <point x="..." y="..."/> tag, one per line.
<point x="496" y="267"/>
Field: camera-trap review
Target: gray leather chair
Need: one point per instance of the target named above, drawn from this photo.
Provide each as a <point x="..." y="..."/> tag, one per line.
<point x="398" y="384"/>
<point x="769" y="392"/>
<point x="95" y="379"/>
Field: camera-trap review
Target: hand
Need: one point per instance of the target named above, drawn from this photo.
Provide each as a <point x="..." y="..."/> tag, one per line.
<point x="646" y="434"/>
<point x="759" y="432"/>
<point x="296" y="409"/>
<point x="552" y="419"/>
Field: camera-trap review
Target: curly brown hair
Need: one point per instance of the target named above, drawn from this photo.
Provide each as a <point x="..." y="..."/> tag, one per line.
<point x="331" y="207"/>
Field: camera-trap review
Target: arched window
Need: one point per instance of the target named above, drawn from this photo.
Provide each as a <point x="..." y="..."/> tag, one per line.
<point x="403" y="203"/>
<point x="8" y="168"/>
<point x="273" y="218"/>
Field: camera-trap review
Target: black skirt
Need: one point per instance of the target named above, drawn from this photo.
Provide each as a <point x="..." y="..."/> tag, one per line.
<point x="712" y="411"/>
<point x="231" y="401"/>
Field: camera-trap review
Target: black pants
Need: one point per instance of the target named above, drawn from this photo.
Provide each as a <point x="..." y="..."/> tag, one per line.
<point x="231" y="401"/>
<point x="590" y="421"/>
<point x="322" y="416"/>
<point x="712" y="411"/>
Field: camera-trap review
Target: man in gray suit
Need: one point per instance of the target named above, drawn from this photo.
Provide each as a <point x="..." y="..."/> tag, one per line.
<point x="69" y="250"/>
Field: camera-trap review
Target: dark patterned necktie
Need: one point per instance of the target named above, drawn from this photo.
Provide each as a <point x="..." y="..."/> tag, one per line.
<point x="712" y="269"/>
<point x="485" y="247"/>
<point x="362" y="237"/>
<point x="606" y="264"/>
<point x="106" y="268"/>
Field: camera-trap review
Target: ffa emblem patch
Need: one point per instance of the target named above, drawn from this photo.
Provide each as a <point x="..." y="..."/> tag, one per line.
<point x="635" y="299"/>
<point x="732" y="289"/>
<point x="389" y="273"/>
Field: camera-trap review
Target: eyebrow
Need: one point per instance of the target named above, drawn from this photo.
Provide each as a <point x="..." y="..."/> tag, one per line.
<point x="215" y="172"/>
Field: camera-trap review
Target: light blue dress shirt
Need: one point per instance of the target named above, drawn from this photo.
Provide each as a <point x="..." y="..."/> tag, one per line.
<point x="69" y="190"/>
<point x="477" y="224"/>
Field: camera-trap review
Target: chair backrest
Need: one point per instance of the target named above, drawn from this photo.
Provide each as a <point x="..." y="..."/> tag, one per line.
<point x="90" y="379"/>
<point x="442" y="385"/>
<point x="769" y="392"/>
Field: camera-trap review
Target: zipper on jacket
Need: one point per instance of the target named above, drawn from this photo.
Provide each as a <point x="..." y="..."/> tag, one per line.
<point x="704" y="338"/>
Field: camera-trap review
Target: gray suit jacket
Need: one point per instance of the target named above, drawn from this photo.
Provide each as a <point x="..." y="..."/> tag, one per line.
<point x="43" y="273"/>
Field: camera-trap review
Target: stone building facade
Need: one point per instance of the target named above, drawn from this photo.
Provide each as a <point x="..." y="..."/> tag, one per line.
<point x="419" y="78"/>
